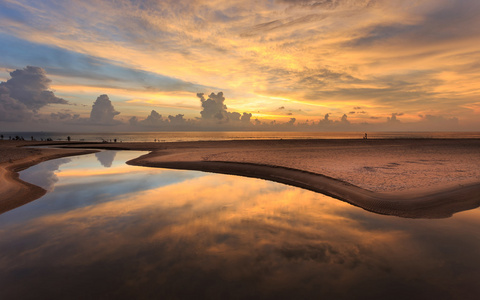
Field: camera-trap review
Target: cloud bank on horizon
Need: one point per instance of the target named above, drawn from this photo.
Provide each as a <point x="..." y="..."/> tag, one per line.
<point x="291" y="64"/>
<point x="26" y="92"/>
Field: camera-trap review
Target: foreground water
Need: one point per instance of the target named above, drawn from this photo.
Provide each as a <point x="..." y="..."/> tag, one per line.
<point x="109" y="230"/>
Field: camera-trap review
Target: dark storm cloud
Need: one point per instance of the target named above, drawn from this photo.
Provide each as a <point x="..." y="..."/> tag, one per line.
<point x="103" y="111"/>
<point x="25" y="93"/>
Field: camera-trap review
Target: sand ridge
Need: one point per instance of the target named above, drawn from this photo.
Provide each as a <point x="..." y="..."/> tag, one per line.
<point x="410" y="178"/>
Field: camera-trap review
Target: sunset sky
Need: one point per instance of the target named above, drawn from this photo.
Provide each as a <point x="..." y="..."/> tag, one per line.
<point x="281" y="64"/>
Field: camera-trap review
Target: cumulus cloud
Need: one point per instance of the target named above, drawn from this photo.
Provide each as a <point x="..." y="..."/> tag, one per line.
<point x="214" y="116"/>
<point x="213" y="107"/>
<point x="25" y="93"/>
<point x="326" y="119"/>
<point x="133" y="121"/>
<point x="393" y="118"/>
<point x="177" y="120"/>
<point x="233" y="116"/>
<point x="64" y="116"/>
<point x="440" y="119"/>
<point x="12" y="110"/>
<point x="432" y="122"/>
<point x="246" y="117"/>
<point x="103" y="111"/>
<point x="154" y="119"/>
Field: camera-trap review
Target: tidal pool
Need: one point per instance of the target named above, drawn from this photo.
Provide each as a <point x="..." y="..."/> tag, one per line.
<point x="112" y="231"/>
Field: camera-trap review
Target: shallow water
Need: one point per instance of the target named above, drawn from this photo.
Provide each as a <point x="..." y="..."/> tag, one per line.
<point x="109" y="230"/>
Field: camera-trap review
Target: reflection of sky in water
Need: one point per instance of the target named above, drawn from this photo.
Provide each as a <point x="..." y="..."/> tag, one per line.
<point x="133" y="232"/>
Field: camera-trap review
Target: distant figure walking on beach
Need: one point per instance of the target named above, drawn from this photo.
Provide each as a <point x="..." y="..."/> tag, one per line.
<point x="365" y="136"/>
<point x="68" y="138"/>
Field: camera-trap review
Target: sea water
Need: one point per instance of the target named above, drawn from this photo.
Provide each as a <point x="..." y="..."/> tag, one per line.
<point x="180" y="136"/>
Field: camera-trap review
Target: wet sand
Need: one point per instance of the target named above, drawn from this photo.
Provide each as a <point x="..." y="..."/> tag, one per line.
<point x="407" y="177"/>
<point x="14" y="158"/>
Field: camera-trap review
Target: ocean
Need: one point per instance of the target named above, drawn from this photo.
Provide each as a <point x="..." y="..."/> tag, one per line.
<point x="180" y="136"/>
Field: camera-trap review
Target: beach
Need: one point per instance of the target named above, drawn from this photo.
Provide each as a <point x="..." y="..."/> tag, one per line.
<point x="14" y="157"/>
<point x="415" y="178"/>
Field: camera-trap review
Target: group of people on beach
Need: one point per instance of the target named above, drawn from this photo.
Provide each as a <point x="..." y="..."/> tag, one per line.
<point x="21" y="138"/>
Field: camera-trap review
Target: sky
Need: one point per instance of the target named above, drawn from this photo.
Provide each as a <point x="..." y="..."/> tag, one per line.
<point x="309" y="65"/>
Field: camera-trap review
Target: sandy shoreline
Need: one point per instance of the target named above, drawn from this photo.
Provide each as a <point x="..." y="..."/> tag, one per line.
<point x="408" y="178"/>
<point x="15" y="192"/>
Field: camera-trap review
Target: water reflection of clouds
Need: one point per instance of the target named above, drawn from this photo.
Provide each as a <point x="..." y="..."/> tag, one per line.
<point x="83" y="181"/>
<point x="106" y="158"/>
<point x="223" y="236"/>
<point x="44" y="174"/>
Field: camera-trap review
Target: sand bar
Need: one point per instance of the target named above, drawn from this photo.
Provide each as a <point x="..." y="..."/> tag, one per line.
<point x="406" y="177"/>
